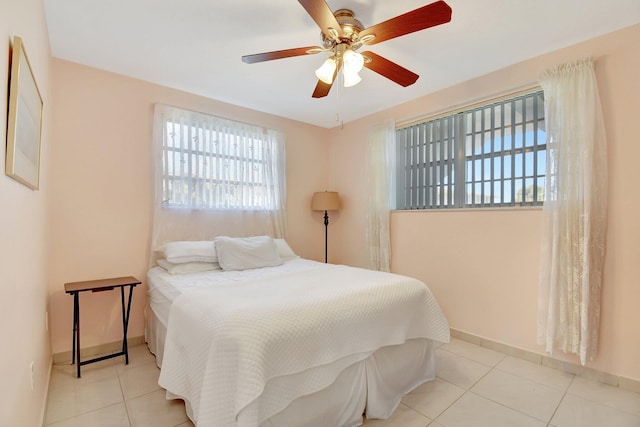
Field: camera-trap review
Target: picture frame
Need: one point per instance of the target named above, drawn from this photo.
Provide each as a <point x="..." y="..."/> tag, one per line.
<point x="24" y="124"/>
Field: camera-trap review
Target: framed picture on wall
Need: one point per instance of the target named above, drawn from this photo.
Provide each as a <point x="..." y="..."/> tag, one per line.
<point x="24" y="123"/>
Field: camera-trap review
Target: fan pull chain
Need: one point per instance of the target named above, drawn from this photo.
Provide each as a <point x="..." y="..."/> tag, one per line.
<point x="339" y="83"/>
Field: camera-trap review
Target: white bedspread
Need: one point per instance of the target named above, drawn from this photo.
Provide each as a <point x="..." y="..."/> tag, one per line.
<point x="241" y="352"/>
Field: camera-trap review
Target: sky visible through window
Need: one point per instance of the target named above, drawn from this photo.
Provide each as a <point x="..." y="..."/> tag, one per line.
<point x="491" y="171"/>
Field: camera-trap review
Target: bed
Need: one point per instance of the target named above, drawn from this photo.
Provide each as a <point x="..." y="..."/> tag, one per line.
<point x="299" y="343"/>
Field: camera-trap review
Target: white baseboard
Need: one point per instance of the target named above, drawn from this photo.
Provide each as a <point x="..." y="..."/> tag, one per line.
<point x="545" y="360"/>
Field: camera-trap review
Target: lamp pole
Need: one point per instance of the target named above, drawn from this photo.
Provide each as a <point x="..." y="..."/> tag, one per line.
<point x="326" y="234"/>
<point x="326" y="201"/>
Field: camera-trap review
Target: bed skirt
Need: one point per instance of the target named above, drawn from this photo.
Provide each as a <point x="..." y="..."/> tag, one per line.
<point x="373" y="386"/>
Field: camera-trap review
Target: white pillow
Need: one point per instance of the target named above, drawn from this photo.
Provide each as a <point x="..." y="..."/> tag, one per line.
<point x="284" y="250"/>
<point x="189" y="251"/>
<point x="243" y="253"/>
<point x="187" y="267"/>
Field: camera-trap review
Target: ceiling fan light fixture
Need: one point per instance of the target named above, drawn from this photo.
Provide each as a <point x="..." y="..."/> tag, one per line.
<point x="326" y="71"/>
<point x="367" y="38"/>
<point x="342" y="35"/>
<point x="353" y="61"/>
<point x="350" y="78"/>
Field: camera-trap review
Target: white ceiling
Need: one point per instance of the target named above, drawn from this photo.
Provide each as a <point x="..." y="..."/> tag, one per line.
<point x="196" y="46"/>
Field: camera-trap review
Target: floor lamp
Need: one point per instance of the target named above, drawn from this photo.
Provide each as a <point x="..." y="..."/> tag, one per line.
<point x="325" y="201"/>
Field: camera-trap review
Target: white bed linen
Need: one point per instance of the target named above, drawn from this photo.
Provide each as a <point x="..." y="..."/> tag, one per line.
<point x="285" y="337"/>
<point x="164" y="287"/>
<point x="377" y="383"/>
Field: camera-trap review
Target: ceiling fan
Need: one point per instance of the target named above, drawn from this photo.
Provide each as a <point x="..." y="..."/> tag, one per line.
<point x="343" y="35"/>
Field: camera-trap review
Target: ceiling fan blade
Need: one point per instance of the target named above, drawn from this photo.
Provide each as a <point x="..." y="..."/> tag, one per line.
<point x="419" y="19"/>
<point x="390" y="69"/>
<point x="322" y="89"/>
<point x="279" y="54"/>
<point x="322" y="15"/>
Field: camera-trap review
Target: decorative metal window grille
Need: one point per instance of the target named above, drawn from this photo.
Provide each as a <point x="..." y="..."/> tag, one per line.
<point x="214" y="163"/>
<point x="493" y="155"/>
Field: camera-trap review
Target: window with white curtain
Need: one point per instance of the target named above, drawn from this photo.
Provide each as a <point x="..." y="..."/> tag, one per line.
<point x="490" y="155"/>
<point x="214" y="163"/>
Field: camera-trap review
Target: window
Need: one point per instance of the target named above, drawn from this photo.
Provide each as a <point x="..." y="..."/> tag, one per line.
<point x="488" y="156"/>
<point x="214" y="163"/>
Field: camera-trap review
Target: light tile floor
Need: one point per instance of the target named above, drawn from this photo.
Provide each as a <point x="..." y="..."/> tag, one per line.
<point x="475" y="387"/>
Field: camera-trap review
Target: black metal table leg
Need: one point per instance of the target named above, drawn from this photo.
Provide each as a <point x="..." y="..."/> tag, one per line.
<point x="125" y="349"/>
<point x="75" y="331"/>
<point x="76" y="310"/>
<point x="126" y="325"/>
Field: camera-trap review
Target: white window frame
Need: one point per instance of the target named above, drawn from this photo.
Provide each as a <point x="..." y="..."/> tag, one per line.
<point x="213" y="163"/>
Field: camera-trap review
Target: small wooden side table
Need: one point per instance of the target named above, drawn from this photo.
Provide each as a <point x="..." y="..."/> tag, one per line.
<point x="74" y="288"/>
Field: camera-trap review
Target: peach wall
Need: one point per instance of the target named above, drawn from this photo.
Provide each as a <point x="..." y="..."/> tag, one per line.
<point x="23" y="237"/>
<point x="101" y="190"/>
<point x="483" y="265"/>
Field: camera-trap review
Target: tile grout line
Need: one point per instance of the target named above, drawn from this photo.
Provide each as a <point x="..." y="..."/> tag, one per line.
<point x="564" y="395"/>
<point x="499" y="403"/>
<point x="495" y="367"/>
<point x="465" y="390"/>
<point x="452" y="403"/>
<point x="605" y="404"/>
<point x="73" y="373"/>
<point x="124" y="400"/>
<point x="556" y="410"/>
<point x="573" y="376"/>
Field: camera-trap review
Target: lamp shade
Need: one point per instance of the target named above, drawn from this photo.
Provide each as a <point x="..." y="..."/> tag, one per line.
<point x="353" y="61"/>
<point x="325" y="201"/>
<point x="326" y="71"/>
<point x="351" y="79"/>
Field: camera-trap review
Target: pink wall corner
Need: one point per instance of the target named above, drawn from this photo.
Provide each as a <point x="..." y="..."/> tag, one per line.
<point x="483" y="266"/>
<point x="101" y="190"/>
<point x="347" y="175"/>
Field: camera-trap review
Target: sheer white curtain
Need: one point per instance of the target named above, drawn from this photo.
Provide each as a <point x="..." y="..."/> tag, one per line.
<point x="381" y="194"/>
<point x="214" y="176"/>
<point x="574" y="211"/>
